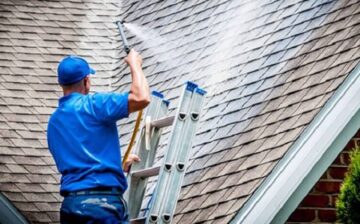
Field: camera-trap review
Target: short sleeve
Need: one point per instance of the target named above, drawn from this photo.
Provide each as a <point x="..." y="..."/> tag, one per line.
<point x="110" y="107"/>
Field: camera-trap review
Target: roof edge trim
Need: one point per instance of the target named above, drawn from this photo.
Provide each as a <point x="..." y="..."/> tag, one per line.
<point x="8" y="213"/>
<point x="318" y="170"/>
<point x="321" y="133"/>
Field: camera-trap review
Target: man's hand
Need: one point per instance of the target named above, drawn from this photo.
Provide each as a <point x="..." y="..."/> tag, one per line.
<point x="131" y="159"/>
<point x="134" y="59"/>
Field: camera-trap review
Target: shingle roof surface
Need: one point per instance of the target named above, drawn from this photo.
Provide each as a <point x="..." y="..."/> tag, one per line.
<point x="34" y="36"/>
<point x="269" y="67"/>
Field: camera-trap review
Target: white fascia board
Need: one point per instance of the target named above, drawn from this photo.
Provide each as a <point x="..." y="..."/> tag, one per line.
<point x="304" y="154"/>
<point x="318" y="170"/>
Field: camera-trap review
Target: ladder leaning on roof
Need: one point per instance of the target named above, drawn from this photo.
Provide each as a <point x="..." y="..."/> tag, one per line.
<point x="172" y="170"/>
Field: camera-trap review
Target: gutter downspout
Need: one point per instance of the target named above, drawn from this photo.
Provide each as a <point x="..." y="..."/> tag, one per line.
<point x="8" y="213"/>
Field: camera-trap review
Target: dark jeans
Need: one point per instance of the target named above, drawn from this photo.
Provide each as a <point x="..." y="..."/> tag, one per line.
<point x="93" y="209"/>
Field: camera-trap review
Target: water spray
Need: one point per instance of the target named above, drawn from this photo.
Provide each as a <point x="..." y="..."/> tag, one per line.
<point x="120" y="25"/>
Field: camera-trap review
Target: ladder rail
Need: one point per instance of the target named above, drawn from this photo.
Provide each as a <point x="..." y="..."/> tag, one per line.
<point x="169" y="156"/>
<point x="183" y="154"/>
<point x="137" y="186"/>
<point x="176" y="142"/>
<point x="171" y="173"/>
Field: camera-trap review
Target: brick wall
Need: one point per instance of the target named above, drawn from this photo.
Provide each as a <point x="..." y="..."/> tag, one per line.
<point x="319" y="205"/>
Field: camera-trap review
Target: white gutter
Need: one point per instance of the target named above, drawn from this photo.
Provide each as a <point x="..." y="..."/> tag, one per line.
<point x="304" y="154"/>
<point x="8" y="213"/>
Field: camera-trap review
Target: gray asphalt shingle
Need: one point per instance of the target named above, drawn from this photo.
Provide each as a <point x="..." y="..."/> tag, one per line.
<point x="35" y="35"/>
<point x="282" y="64"/>
<point x="269" y="67"/>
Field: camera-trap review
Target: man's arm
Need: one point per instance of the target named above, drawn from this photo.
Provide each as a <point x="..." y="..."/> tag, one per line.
<point x="139" y="95"/>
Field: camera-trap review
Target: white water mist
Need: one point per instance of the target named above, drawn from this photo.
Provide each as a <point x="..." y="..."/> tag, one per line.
<point x="151" y="40"/>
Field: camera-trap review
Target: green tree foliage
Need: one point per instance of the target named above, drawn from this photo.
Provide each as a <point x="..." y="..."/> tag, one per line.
<point x="348" y="203"/>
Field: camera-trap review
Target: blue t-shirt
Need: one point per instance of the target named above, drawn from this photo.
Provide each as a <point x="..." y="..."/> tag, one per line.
<point x="84" y="141"/>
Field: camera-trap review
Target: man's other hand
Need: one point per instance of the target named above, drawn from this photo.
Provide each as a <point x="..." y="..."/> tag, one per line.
<point x="131" y="159"/>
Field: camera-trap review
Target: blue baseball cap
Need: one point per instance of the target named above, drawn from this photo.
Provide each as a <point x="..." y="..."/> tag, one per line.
<point x="72" y="69"/>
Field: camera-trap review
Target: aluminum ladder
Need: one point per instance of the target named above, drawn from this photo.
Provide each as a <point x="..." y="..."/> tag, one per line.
<point x="172" y="171"/>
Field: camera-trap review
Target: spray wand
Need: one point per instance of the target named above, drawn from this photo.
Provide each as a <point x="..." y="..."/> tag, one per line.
<point x="120" y="25"/>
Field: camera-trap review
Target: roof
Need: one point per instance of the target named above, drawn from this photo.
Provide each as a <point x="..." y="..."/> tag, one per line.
<point x="308" y="158"/>
<point x="34" y="36"/>
<point x="269" y="67"/>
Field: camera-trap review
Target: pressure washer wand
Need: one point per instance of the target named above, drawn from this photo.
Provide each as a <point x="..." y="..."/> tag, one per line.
<point x="120" y="25"/>
<point x="138" y="119"/>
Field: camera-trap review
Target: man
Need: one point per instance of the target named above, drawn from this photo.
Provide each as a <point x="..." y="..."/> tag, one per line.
<point x="83" y="139"/>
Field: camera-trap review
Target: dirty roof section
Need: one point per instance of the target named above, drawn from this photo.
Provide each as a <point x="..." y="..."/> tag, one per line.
<point x="269" y="66"/>
<point x="34" y="36"/>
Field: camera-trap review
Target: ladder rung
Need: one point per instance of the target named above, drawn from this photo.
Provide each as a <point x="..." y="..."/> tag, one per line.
<point x="139" y="220"/>
<point x="149" y="172"/>
<point x="163" y="122"/>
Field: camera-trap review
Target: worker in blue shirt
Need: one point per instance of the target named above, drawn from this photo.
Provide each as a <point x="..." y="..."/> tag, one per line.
<point x="83" y="139"/>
